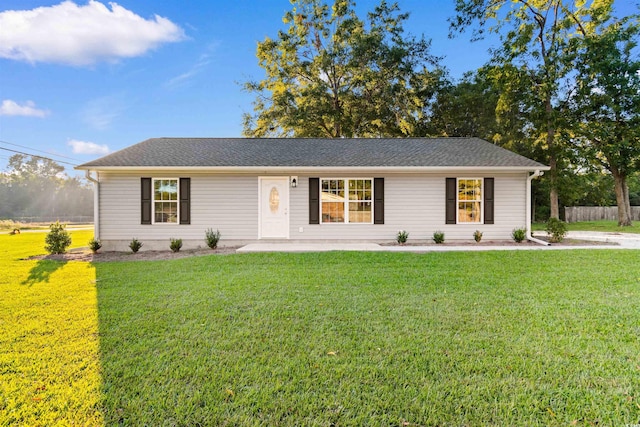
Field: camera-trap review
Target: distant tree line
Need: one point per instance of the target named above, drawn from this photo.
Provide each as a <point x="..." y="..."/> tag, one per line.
<point x="562" y="87"/>
<point x="33" y="188"/>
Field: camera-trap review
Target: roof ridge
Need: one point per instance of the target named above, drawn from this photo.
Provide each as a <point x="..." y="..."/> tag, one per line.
<point x="386" y="138"/>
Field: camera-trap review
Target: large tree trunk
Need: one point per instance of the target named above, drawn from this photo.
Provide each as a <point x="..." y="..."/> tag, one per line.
<point x="554" y="208"/>
<point x="622" y="198"/>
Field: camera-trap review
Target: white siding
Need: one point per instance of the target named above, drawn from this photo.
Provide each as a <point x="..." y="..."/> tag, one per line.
<point x="227" y="203"/>
<point x="415" y="203"/>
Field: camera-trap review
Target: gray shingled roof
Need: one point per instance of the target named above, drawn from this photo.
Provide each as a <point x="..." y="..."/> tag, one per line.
<point x="313" y="152"/>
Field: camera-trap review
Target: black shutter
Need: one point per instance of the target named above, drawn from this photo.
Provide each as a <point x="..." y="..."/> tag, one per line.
<point x="185" y="200"/>
<point x="452" y="190"/>
<point x="145" y="184"/>
<point x="488" y="200"/>
<point x="378" y="200"/>
<point x="314" y="200"/>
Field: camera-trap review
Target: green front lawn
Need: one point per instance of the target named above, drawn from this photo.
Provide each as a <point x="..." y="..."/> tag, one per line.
<point x="49" y="348"/>
<point x="485" y="338"/>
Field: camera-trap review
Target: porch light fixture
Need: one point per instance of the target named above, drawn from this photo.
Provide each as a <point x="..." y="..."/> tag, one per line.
<point x="294" y="181"/>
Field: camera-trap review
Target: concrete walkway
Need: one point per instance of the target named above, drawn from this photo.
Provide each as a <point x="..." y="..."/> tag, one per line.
<point x="616" y="240"/>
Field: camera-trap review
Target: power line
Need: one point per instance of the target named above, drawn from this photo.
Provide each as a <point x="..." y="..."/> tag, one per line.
<point x="40" y="157"/>
<point x="34" y="149"/>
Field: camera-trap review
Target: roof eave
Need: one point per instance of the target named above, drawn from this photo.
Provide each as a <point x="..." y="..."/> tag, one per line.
<point x="300" y="169"/>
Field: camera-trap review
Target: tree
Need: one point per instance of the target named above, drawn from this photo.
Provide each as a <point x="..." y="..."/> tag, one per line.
<point x="467" y="108"/>
<point x="606" y="104"/>
<point x="25" y="167"/>
<point x="535" y="36"/>
<point x="34" y="181"/>
<point x="38" y="187"/>
<point x="331" y="74"/>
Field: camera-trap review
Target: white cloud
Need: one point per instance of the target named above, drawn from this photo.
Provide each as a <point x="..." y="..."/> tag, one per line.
<point x="12" y="108"/>
<point x="85" y="147"/>
<point x="201" y="64"/>
<point x="185" y="77"/>
<point x="81" y="35"/>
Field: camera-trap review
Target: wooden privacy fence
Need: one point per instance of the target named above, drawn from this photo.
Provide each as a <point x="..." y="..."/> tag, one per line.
<point x="597" y="213"/>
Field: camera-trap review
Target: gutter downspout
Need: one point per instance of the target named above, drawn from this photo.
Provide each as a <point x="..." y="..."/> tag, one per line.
<point x="96" y="203"/>
<point x="536" y="174"/>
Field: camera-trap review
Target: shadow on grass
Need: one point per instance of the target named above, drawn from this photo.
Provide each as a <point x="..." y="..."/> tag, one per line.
<point x="42" y="271"/>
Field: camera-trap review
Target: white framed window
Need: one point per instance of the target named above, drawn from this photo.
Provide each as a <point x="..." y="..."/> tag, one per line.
<point x="165" y="201"/>
<point x="346" y="200"/>
<point x="469" y="200"/>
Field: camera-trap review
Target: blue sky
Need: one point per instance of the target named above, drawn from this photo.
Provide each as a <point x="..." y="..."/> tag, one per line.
<point x="82" y="78"/>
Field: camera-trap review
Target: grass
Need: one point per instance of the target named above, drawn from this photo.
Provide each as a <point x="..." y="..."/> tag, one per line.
<point x="483" y="338"/>
<point x="49" y="350"/>
<point x="607" y="226"/>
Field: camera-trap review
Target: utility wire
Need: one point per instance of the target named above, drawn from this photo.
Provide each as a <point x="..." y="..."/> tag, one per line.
<point x="34" y="149"/>
<point x="40" y="157"/>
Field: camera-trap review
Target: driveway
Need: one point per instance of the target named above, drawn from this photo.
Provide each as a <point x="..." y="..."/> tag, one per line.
<point x="625" y="240"/>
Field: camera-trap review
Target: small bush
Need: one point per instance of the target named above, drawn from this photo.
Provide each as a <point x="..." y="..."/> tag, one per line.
<point x="175" y="245"/>
<point x="477" y="236"/>
<point x="95" y="245"/>
<point x="58" y="239"/>
<point x="135" y="245"/>
<point x="402" y="237"/>
<point x="519" y="234"/>
<point x="438" y="237"/>
<point x="212" y="238"/>
<point x="556" y="230"/>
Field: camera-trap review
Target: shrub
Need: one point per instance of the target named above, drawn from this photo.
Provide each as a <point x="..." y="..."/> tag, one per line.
<point x="402" y="237"/>
<point x="519" y="234"/>
<point x="477" y="236"/>
<point x="556" y="230"/>
<point x="135" y="245"/>
<point x="95" y="245"/>
<point x="175" y="245"/>
<point x="212" y="238"/>
<point x="58" y="239"/>
<point x="438" y="237"/>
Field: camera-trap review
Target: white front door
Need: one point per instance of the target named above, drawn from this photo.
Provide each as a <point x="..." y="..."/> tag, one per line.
<point x="274" y="207"/>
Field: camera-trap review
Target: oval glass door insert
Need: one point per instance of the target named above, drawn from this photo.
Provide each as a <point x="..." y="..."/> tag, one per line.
<point x="274" y="200"/>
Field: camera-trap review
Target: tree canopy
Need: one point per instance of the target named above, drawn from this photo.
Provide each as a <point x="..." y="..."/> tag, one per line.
<point x="606" y="104"/>
<point x="35" y="188"/>
<point x="332" y="74"/>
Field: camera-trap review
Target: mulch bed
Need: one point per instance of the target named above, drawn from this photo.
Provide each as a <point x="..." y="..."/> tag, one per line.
<point x="101" y="256"/>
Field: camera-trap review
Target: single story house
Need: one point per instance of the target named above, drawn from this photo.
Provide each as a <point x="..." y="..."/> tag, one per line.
<point x="309" y="189"/>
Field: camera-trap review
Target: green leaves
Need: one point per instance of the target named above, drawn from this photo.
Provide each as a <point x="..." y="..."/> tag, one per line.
<point x="333" y="74"/>
<point x="537" y="54"/>
<point x="605" y="105"/>
<point x="58" y="239"/>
